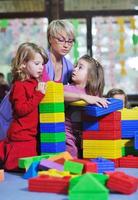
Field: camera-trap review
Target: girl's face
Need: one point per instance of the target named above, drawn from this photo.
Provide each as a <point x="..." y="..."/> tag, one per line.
<point x="34" y="68"/>
<point x="80" y="73"/>
<point x="61" y="44"/>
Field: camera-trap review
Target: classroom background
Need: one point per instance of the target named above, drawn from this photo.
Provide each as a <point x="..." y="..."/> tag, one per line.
<point x="105" y="29"/>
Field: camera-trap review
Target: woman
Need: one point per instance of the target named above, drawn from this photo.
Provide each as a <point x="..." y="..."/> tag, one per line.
<point x="60" y="36"/>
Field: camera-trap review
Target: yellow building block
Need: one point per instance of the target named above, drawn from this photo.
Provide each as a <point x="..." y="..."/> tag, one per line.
<point x="105" y="154"/>
<point x="129" y="114"/>
<point x="54" y="92"/>
<point x="52" y="117"/>
<point x="102" y="144"/>
<point x="78" y="103"/>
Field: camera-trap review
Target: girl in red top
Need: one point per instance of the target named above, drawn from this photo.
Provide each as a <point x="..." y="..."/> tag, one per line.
<point x="26" y="93"/>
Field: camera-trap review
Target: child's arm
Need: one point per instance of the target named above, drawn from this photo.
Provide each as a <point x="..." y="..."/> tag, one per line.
<point x="70" y="97"/>
<point x="22" y="102"/>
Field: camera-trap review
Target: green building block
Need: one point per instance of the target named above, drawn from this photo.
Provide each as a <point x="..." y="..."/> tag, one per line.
<point x="87" y="187"/>
<point x="27" y="161"/>
<point x="52" y="137"/>
<point x="73" y="167"/>
<point x="51" y="107"/>
<point x="102" y="178"/>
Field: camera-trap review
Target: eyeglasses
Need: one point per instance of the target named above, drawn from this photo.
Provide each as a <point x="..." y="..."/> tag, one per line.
<point x="63" y="41"/>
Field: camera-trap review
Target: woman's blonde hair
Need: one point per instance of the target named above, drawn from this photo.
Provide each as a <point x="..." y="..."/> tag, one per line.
<point x="56" y="26"/>
<point x="25" y="52"/>
<point x="95" y="83"/>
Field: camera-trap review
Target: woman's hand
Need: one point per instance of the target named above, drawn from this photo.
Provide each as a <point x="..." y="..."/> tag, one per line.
<point x="41" y="87"/>
<point x="101" y="102"/>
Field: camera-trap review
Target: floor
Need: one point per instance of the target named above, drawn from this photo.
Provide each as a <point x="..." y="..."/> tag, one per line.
<point x="15" y="187"/>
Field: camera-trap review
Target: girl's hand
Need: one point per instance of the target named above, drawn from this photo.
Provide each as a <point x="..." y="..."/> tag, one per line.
<point x="41" y="87"/>
<point x="101" y="102"/>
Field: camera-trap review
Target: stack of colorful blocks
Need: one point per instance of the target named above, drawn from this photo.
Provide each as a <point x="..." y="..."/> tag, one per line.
<point x="102" y="131"/>
<point x="129" y="137"/>
<point x="52" y="119"/>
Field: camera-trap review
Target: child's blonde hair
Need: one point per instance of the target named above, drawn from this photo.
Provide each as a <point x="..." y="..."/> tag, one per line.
<point x="25" y="52"/>
<point x="56" y="26"/>
<point x="95" y="83"/>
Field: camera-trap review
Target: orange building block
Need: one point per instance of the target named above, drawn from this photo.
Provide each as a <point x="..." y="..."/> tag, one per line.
<point x="1" y="175"/>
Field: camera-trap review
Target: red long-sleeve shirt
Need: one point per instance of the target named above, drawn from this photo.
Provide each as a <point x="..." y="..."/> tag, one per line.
<point x="25" y="100"/>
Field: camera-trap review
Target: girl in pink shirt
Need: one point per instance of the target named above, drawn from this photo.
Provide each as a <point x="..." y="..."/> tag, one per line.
<point x="87" y="85"/>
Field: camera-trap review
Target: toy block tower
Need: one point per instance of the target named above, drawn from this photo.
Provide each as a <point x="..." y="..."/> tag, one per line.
<point x="129" y="122"/>
<point x="102" y="131"/>
<point x="52" y="119"/>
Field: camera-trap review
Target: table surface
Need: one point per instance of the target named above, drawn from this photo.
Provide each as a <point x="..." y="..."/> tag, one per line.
<point x="15" y="187"/>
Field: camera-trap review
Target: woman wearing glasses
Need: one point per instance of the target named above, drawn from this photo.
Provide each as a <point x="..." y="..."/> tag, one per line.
<point x="60" y="36"/>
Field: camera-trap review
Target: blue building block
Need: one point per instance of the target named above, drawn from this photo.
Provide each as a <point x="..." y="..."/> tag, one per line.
<point x="128" y="134"/>
<point x="104" y="165"/>
<point x="94" y="126"/>
<point x="53" y="147"/>
<point x="52" y="127"/>
<point x="129" y="125"/>
<point x="136" y="140"/>
<point x="94" y="110"/>
<point x="32" y="170"/>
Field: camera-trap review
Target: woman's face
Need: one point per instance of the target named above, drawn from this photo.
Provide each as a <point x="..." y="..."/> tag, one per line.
<point x="61" y="44"/>
<point x="80" y="73"/>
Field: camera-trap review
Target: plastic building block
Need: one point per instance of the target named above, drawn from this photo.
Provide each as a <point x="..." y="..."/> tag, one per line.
<point x="48" y="164"/>
<point x="52" y="137"/>
<point x="27" y="161"/>
<point x="129" y="114"/>
<point x="51" y="107"/>
<point x="78" y="103"/>
<point x="122" y="183"/>
<point x="52" y="127"/>
<point x="104" y="165"/>
<point x="114" y="116"/>
<point x="51" y="117"/>
<point x="51" y="147"/>
<point x="129" y="161"/>
<point x="88" y="166"/>
<point x="136" y="140"/>
<point x="116" y="162"/>
<point x="66" y="155"/>
<point x="49" y="184"/>
<point x="115" y="104"/>
<point x="101" y="135"/>
<point x="55" y="173"/>
<point x="1" y="175"/>
<point x="102" y="178"/>
<point x="54" y="92"/>
<point x="73" y="167"/>
<point x="104" y="126"/>
<point x="32" y="171"/>
<point x="110" y="149"/>
<point x="87" y="187"/>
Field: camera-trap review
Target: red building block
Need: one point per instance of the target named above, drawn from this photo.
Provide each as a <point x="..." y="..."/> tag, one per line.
<point x="88" y="166"/>
<point x="129" y="161"/>
<point x="114" y="116"/>
<point x="49" y="184"/>
<point x="116" y="162"/>
<point x="121" y="182"/>
<point x="101" y="135"/>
